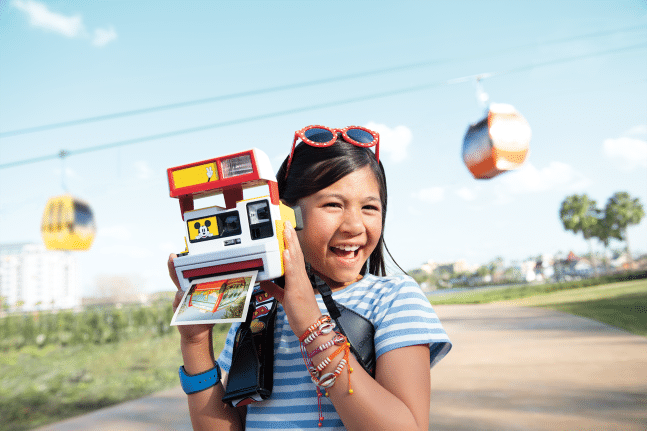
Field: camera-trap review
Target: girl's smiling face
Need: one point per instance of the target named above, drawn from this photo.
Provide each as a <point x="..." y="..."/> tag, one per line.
<point x="342" y="226"/>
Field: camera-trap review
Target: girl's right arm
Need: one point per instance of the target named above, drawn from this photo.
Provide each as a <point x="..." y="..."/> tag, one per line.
<point x="206" y="408"/>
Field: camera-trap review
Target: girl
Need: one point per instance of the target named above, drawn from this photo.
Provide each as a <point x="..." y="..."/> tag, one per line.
<point x="340" y="186"/>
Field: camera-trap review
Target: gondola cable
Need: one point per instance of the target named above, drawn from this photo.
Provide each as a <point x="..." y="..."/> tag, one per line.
<point x="310" y="108"/>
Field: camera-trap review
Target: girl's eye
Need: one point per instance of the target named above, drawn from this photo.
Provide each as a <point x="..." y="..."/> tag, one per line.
<point x="333" y="205"/>
<point x="372" y="208"/>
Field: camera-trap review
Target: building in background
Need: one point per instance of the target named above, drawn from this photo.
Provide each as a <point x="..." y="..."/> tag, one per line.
<point x="34" y="278"/>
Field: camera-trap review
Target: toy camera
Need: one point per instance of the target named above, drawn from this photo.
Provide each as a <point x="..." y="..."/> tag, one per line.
<point x="245" y="235"/>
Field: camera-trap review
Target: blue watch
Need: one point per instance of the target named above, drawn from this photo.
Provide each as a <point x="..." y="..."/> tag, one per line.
<point x="199" y="382"/>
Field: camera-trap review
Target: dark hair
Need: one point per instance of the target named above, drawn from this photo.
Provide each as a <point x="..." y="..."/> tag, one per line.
<point x="314" y="169"/>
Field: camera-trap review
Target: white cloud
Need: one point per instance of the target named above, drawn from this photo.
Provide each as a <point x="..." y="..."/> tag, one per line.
<point x="69" y="26"/>
<point x="41" y="16"/>
<point x="529" y="179"/>
<point x="466" y="193"/>
<point x="392" y="141"/>
<point x="431" y="194"/>
<point x="631" y="152"/>
<point x="637" y="131"/>
<point x="103" y="36"/>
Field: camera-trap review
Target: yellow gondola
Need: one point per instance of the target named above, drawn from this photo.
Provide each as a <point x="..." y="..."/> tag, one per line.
<point x="498" y="143"/>
<point x="68" y="224"/>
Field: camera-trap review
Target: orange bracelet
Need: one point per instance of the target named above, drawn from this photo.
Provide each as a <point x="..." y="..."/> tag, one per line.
<point x="320" y="321"/>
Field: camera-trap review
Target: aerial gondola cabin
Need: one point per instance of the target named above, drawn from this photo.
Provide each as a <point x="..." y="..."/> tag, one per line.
<point x="498" y="143"/>
<point x="68" y="224"/>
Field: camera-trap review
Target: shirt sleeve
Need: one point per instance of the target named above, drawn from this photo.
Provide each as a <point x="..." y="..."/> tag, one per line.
<point x="406" y="318"/>
<point x="224" y="360"/>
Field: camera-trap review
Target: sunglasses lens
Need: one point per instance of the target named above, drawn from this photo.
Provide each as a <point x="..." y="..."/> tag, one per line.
<point x="319" y="135"/>
<point x="359" y="135"/>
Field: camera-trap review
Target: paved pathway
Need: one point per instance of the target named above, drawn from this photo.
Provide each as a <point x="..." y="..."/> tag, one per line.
<point x="520" y="368"/>
<point x="511" y="368"/>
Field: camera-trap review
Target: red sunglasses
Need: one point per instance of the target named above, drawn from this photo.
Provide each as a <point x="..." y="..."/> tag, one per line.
<point x="321" y="136"/>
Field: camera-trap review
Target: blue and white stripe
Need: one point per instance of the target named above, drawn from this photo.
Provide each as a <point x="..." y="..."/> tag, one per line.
<point x="402" y="317"/>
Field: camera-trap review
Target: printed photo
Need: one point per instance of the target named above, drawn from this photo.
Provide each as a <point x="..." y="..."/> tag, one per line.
<point x="217" y="299"/>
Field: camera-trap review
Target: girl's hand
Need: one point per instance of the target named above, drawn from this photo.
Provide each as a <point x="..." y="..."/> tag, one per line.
<point x="191" y="334"/>
<point x="298" y="296"/>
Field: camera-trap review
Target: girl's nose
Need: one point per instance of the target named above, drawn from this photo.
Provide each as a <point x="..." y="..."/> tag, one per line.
<point x="352" y="223"/>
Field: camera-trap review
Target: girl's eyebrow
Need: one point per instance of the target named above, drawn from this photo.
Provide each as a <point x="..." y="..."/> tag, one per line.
<point x="341" y="197"/>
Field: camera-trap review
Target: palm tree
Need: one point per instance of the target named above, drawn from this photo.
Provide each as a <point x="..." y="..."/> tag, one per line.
<point x="621" y="212"/>
<point x="579" y="214"/>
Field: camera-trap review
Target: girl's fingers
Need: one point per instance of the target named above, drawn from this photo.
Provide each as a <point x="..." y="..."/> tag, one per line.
<point x="178" y="298"/>
<point x="292" y="254"/>
<point x="171" y="270"/>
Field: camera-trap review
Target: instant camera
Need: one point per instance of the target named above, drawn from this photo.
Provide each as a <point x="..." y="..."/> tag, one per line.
<point x="244" y="235"/>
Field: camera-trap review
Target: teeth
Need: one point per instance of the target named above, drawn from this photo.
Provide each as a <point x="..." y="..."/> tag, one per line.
<point x="348" y="247"/>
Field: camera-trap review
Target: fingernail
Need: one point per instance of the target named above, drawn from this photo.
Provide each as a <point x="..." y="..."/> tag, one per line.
<point x="288" y="224"/>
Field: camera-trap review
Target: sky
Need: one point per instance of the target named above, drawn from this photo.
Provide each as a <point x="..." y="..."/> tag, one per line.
<point x="130" y="89"/>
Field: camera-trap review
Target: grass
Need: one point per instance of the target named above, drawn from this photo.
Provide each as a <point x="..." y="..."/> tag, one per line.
<point x="621" y="304"/>
<point x="44" y="385"/>
<point x="485" y="295"/>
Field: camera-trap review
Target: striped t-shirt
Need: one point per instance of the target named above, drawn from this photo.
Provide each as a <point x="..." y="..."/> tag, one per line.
<point x="402" y="317"/>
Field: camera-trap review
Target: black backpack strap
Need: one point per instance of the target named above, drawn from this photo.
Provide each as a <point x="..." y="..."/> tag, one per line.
<point x="356" y="328"/>
<point x="252" y="362"/>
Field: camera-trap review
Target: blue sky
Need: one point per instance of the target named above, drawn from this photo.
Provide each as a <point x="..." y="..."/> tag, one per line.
<point x="576" y="70"/>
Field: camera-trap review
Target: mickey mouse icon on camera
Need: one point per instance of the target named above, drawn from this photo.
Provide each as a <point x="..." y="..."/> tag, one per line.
<point x="203" y="231"/>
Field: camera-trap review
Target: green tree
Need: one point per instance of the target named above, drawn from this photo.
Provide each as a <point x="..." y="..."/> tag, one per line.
<point x="621" y="212"/>
<point x="579" y="214"/>
<point x="603" y="232"/>
<point x="483" y="270"/>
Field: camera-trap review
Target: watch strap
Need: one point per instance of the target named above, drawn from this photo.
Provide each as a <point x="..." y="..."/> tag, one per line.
<point x="199" y="382"/>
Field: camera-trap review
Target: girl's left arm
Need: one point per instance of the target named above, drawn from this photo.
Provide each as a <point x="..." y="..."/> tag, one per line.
<point x="398" y="398"/>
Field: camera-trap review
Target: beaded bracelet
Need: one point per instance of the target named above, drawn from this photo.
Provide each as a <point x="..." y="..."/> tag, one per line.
<point x="327" y="361"/>
<point x="327" y="380"/>
<point x="320" y="321"/>
<point x="307" y="358"/>
<point x="337" y="341"/>
<point x="326" y="328"/>
<point x="325" y="325"/>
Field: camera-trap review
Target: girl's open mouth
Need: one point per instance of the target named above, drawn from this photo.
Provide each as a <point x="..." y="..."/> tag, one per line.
<point x="346" y="252"/>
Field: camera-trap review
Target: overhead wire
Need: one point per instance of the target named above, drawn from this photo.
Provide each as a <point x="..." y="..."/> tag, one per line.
<point x="280" y="88"/>
<point x="334" y="103"/>
<point x="220" y="98"/>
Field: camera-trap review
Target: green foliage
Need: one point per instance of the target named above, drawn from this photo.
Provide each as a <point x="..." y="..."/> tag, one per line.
<point x="483" y="296"/>
<point x="482" y="270"/>
<point x="85" y="361"/>
<point x="94" y="326"/>
<point x="48" y="384"/>
<point x="578" y="214"/>
<point x="622" y="211"/>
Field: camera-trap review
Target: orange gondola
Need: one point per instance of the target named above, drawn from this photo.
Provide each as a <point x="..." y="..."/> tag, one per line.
<point x="68" y="224"/>
<point x="498" y="143"/>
